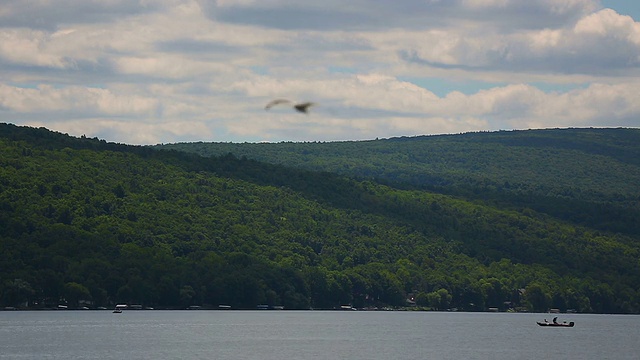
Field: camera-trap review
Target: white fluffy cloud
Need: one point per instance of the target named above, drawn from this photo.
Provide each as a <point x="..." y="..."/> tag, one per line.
<point x="167" y="70"/>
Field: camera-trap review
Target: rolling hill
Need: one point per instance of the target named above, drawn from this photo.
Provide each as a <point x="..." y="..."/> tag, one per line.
<point x="586" y="176"/>
<point x="470" y="221"/>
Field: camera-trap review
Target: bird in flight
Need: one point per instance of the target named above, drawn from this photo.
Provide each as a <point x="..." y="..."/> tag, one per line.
<point x="301" y="107"/>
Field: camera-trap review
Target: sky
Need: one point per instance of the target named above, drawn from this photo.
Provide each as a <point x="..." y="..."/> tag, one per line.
<point x="165" y="71"/>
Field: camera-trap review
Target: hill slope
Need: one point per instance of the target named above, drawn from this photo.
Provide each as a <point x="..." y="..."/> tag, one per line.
<point x="586" y="176"/>
<point x="85" y="221"/>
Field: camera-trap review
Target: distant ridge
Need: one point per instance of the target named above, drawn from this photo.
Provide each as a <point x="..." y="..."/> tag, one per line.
<point x="518" y="221"/>
<point x="595" y="171"/>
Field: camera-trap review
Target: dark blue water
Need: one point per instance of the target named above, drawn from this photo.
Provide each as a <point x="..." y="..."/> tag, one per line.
<point x="292" y="335"/>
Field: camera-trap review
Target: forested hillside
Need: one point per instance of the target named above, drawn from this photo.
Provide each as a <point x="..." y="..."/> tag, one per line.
<point x="86" y="222"/>
<point x="585" y="176"/>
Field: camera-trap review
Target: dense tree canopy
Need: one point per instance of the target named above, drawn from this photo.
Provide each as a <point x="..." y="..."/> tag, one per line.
<point x="585" y="176"/>
<point x="86" y="222"/>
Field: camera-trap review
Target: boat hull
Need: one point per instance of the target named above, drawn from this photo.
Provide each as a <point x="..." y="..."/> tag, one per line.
<point x="570" y="324"/>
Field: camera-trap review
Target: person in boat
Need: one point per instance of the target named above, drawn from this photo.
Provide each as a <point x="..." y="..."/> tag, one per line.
<point x="545" y="321"/>
<point x="555" y="320"/>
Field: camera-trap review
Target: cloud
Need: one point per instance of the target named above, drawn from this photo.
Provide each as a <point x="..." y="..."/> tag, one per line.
<point x="49" y="15"/>
<point x="169" y="70"/>
<point x="79" y="100"/>
<point x="603" y="43"/>
<point x="379" y="14"/>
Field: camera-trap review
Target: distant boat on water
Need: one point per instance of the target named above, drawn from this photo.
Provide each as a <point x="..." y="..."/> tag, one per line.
<point x="570" y="324"/>
<point x="555" y="323"/>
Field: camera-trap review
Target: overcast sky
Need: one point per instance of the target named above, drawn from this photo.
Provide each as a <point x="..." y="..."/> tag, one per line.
<point x="162" y="71"/>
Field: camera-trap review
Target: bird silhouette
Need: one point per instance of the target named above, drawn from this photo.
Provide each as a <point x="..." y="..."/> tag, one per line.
<point x="301" y="107"/>
<point x="276" y="102"/>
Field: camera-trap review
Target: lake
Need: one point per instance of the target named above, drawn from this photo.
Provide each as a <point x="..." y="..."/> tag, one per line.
<point x="289" y="335"/>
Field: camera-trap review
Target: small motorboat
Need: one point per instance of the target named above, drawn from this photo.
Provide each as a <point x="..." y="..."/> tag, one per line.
<point x="557" y="324"/>
<point x="117" y="311"/>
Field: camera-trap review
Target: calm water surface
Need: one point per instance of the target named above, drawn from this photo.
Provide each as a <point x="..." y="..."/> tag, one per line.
<point x="292" y="335"/>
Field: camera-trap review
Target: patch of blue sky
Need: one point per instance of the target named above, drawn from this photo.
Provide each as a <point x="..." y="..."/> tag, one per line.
<point x="32" y="85"/>
<point x="624" y="7"/>
<point x="557" y="88"/>
<point x="442" y="87"/>
<point x="260" y="70"/>
<point x="24" y="85"/>
<point x="265" y="70"/>
<point x="343" y="69"/>
<point x="35" y="85"/>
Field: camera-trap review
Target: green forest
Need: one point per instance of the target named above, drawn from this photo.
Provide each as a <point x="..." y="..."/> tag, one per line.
<point x="508" y="221"/>
<point x="585" y="176"/>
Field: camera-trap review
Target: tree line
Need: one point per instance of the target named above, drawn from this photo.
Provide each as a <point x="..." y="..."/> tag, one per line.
<point x="90" y="223"/>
